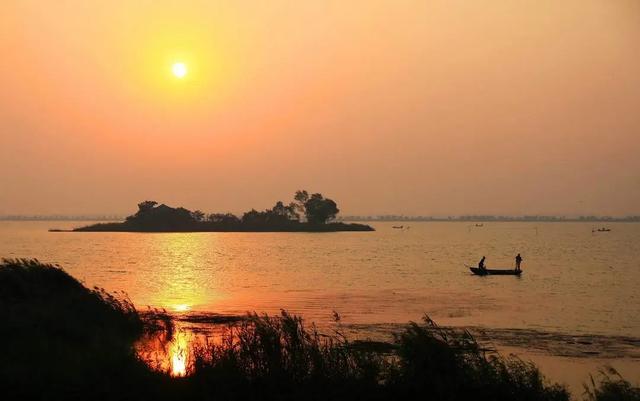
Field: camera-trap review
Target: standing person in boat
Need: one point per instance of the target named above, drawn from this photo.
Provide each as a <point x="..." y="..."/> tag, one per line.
<point x="481" y="265"/>
<point x="518" y="261"/>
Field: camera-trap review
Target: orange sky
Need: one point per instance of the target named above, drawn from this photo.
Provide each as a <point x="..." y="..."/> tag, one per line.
<point x="414" y="107"/>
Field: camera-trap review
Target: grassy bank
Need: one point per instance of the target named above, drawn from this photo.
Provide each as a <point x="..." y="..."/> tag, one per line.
<point x="64" y="341"/>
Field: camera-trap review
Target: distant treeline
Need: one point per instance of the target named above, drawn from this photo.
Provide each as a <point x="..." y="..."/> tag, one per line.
<point x="485" y="218"/>
<point x="305" y="213"/>
<point x="61" y="217"/>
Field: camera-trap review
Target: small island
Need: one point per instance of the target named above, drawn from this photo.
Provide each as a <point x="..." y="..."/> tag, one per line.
<point x="306" y="213"/>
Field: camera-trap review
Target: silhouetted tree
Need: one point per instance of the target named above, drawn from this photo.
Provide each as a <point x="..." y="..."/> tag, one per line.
<point x="146" y="206"/>
<point x="318" y="209"/>
<point x="295" y="211"/>
<point x="301" y="196"/>
<point x="197" y="215"/>
<point x="299" y="199"/>
<point x="162" y="217"/>
<point x="252" y="216"/>
<point x="288" y="212"/>
<point x="278" y="215"/>
<point x="223" y="218"/>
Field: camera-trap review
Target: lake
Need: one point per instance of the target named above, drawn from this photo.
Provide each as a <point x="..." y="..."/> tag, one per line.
<point x="577" y="302"/>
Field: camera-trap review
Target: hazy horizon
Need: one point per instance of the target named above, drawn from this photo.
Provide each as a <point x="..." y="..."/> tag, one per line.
<point x="340" y="215"/>
<point x="405" y="107"/>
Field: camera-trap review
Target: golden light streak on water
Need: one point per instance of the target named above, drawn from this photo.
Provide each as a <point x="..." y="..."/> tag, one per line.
<point x="179" y="352"/>
<point x="183" y="277"/>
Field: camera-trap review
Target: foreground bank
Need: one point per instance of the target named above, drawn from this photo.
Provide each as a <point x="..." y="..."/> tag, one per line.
<point x="65" y="341"/>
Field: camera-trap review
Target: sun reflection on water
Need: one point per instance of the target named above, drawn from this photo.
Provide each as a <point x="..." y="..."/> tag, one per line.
<point x="169" y="351"/>
<point x="179" y="352"/>
<point x="183" y="278"/>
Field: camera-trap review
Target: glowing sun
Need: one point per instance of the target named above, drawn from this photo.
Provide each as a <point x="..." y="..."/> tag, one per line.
<point x="179" y="70"/>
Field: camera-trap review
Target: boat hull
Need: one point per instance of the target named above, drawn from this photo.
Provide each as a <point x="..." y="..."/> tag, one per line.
<point x="495" y="272"/>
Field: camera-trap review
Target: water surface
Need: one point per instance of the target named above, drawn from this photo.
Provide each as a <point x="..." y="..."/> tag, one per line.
<point x="575" y="281"/>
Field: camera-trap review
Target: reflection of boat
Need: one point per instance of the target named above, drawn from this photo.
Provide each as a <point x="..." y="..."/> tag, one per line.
<point x="495" y="272"/>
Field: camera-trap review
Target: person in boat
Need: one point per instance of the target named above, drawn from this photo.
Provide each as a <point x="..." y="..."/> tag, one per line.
<point x="481" y="265"/>
<point x="518" y="261"/>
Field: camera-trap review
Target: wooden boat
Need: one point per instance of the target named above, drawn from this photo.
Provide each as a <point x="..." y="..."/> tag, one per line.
<point x="494" y="272"/>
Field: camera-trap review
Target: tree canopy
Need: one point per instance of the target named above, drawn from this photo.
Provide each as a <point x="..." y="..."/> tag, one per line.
<point x="319" y="210"/>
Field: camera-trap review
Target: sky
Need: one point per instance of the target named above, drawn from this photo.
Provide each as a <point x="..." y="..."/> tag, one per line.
<point x="387" y="107"/>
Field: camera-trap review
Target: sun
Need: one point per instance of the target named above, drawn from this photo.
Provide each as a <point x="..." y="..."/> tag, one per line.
<point x="179" y="70"/>
<point x="182" y="308"/>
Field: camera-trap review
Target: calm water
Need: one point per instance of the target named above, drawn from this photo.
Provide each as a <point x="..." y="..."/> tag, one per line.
<point x="574" y="281"/>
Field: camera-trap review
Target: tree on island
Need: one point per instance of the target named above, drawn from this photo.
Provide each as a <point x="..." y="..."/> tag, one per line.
<point x="146" y="206"/>
<point x="299" y="199"/>
<point x="286" y="212"/>
<point x="316" y="209"/>
<point x="197" y="215"/>
<point x="150" y="215"/>
<point x="278" y="214"/>
<point x="223" y="218"/>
